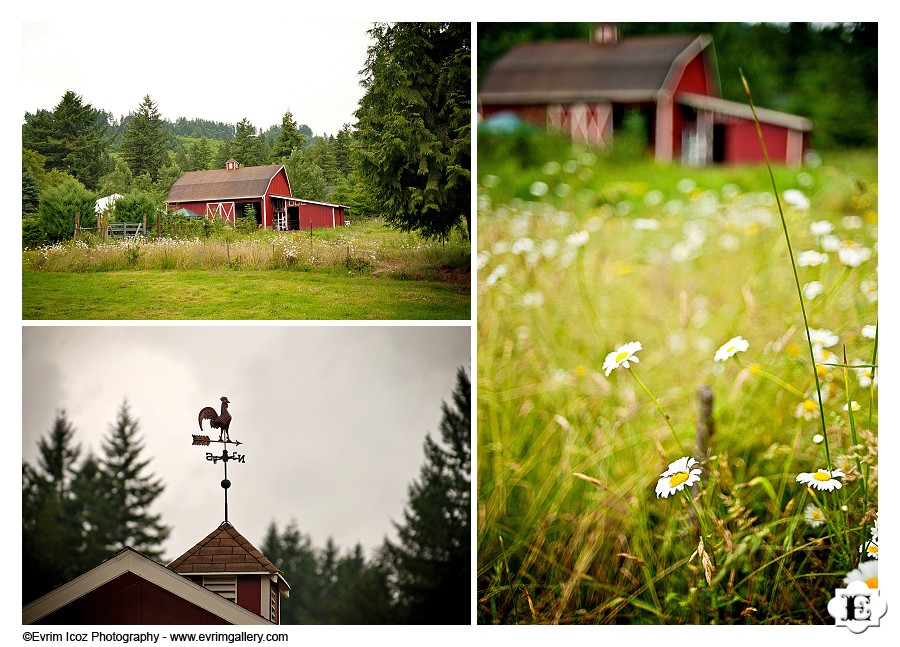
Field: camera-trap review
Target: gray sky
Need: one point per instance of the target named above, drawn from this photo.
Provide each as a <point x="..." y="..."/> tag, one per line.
<point x="259" y="71"/>
<point x="332" y="418"/>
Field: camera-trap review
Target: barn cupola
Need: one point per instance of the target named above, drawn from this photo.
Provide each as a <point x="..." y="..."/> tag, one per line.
<point x="226" y="563"/>
<point x="605" y="34"/>
<point x="231" y="164"/>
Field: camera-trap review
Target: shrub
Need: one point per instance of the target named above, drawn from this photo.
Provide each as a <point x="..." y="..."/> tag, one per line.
<point x="58" y="206"/>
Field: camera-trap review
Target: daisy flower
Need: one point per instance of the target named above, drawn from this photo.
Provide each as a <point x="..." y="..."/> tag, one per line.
<point x="820" y="228"/>
<point x="796" y="198"/>
<point x="731" y="347"/>
<point x="854" y="405"/>
<point x="812" y="289"/>
<point x="811" y="258"/>
<point x="822" y="479"/>
<point x="681" y="474"/>
<point x="852" y="254"/>
<point x="808" y="409"/>
<point x="813" y="515"/>
<point x="870" y="548"/>
<point x="622" y="356"/>
<point x="868" y="332"/>
<point x="867" y="573"/>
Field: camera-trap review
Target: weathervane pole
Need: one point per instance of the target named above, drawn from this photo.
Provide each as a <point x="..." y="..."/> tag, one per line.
<point x="222" y="423"/>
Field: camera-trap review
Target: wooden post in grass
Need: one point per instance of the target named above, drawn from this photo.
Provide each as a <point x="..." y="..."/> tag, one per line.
<point x="77" y="223"/>
<point x="705" y="423"/>
<point x="145" y="225"/>
<point x="705" y="428"/>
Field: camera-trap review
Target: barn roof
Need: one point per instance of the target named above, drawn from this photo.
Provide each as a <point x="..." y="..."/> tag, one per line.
<point x="631" y="69"/>
<point x="223" y="184"/>
<point x="743" y="111"/>
<point x="224" y="550"/>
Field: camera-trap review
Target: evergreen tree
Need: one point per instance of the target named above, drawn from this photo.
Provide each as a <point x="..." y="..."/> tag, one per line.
<point x="72" y="138"/>
<point x="144" y="143"/>
<point x="288" y="138"/>
<point x="200" y="156"/>
<point x="413" y="129"/>
<point x="30" y="193"/>
<point x="131" y="492"/>
<point x="249" y="150"/>
<point x="50" y="534"/>
<point x="432" y="561"/>
<point x="58" y="206"/>
<point x="305" y="176"/>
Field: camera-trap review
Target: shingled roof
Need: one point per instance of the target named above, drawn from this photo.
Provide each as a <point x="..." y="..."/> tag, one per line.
<point x="223" y="184"/>
<point x="631" y="69"/>
<point x="224" y="550"/>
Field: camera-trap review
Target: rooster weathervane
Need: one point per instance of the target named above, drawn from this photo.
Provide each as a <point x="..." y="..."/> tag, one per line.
<point x="222" y="422"/>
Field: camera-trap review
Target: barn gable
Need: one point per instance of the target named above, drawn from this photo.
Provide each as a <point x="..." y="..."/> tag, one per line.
<point x="131" y="588"/>
<point x="585" y="89"/>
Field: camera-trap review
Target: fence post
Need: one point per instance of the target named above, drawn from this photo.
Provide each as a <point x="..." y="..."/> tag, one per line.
<point x="77" y="222"/>
<point x="705" y="429"/>
<point x="104" y="220"/>
<point x="145" y="225"/>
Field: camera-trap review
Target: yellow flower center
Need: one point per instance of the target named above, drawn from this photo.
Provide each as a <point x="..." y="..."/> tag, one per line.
<point x="872" y="582"/>
<point x="621" y="357"/>
<point x="873" y="549"/>
<point x="677" y="479"/>
<point x="729" y="348"/>
<point x="822" y="476"/>
<point x="809" y="405"/>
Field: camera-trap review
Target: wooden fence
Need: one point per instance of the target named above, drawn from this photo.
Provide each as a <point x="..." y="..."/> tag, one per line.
<point x="113" y="230"/>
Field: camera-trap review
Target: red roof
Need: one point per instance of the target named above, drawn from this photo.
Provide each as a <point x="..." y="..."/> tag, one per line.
<point x="223" y="184"/>
<point x="631" y="69"/>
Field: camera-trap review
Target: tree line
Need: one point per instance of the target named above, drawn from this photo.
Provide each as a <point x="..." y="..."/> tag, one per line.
<point x="827" y="72"/>
<point x="78" y="511"/>
<point x="405" y="158"/>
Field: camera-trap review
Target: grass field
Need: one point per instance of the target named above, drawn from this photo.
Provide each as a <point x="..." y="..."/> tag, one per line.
<point x="579" y="255"/>
<point x="364" y="273"/>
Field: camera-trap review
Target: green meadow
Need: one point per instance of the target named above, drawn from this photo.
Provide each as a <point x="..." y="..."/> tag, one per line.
<point x="363" y="272"/>
<point x="586" y="512"/>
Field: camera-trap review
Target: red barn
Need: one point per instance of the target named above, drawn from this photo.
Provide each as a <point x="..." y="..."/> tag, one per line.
<point x="588" y="89"/>
<point x="230" y="193"/>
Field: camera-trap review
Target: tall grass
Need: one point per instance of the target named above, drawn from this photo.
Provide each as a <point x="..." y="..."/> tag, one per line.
<point x="578" y="255"/>
<point x="367" y="249"/>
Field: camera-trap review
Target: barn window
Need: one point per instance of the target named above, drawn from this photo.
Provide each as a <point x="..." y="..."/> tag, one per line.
<point x="224" y="585"/>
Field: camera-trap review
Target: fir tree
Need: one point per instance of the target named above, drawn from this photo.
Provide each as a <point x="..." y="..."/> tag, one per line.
<point x="131" y="492"/>
<point x="432" y="561"/>
<point x="72" y="138"/>
<point x="288" y="138"/>
<point x="50" y="533"/>
<point x="249" y="149"/>
<point x="413" y="130"/>
<point x="144" y="143"/>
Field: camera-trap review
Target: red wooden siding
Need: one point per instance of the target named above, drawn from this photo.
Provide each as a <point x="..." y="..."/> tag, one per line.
<point x="249" y="591"/>
<point x="320" y="215"/>
<point x="131" y="600"/>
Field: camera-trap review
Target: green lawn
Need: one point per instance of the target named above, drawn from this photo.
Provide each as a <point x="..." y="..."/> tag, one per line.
<point x="237" y="295"/>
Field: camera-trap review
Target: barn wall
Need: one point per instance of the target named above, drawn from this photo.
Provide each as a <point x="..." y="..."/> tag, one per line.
<point x="532" y="114"/>
<point x="319" y="215"/>
<point x="742" y="143"/>
<point x="696" y="78"/>
<point x="130" y="600"/>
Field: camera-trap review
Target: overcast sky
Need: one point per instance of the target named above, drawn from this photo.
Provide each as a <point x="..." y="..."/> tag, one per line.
<point x="225" y="71"/>
<point x="332" y="418"/>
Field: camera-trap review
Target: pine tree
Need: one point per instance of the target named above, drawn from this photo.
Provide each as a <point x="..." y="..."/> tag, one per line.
<point x="50" y="534"/>
<point x="144" y="146"/>
<point x="249" y="149"/>
<point x="127" y="520"/>
<point x="288" y="138"/>
<point x="413" y="129"/>
<point x="432" y="561"/>
<point x="72" y="138"/>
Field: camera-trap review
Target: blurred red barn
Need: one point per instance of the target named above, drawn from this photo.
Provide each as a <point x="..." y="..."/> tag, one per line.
<point x="587" y="89"/>
<point x="230" y="192"/>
